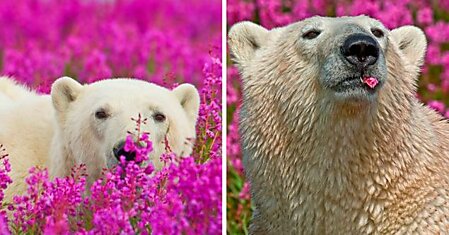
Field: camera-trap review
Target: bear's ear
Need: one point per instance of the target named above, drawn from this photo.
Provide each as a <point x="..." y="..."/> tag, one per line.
<point x="64" y="91"/>
<point x="244" y="39"/>
<point x="189" y="99"/>
<point x="412" y="42"/>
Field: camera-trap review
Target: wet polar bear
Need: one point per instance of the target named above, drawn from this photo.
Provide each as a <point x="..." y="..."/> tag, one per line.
<point x="334" y="140"/>
<point x="87" y="124"/>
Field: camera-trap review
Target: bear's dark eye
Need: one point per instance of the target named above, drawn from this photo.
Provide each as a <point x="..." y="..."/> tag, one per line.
<point x="311" y="34"/>
<point x="101" y="114"/>
<point x="377" y="32"/>
<point x="159" y="117"/>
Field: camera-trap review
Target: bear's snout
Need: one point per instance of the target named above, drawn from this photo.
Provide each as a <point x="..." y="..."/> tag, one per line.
<point x="360" y="50"/>
<point x="119" y="150"/>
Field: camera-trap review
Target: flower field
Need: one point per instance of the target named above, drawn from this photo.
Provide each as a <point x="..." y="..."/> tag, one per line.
<point x="431" y="16"/>
<point x="163" y="42"/>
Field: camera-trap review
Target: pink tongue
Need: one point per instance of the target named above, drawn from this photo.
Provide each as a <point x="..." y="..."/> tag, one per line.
<point x="370" y="81"/>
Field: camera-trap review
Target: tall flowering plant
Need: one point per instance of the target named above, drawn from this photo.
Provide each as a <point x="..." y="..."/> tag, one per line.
<point x="5" y="180"/>
<point x="209" y="128"/>
<point x="431" y="16"/>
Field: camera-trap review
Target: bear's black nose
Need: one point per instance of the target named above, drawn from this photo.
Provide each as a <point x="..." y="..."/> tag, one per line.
<point x="119" y="150"/>
<point x="360" y="50"/>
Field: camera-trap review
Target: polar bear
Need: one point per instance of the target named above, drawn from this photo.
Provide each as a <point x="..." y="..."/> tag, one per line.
<point x="87" y="124"/>
<point x="10" y="91"/>
<point x="334" y="139"/>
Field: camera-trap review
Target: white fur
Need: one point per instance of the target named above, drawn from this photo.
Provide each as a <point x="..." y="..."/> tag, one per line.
<point x="60" y="130"/>
<point x="11" y="92"/>
<point x="318" y="165"/>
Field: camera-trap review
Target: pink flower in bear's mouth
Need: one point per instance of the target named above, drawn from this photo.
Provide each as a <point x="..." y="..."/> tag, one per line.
<point x="370" y="81"/>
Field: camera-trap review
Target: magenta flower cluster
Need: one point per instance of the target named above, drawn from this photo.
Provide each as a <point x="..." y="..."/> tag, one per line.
<point x="431" y="16"/>
<point x="210" y="122"/>
<point x="161" y="41"/>
<point x="164" y="42"/>
<point x="5" y="168"/>
<point x="183" y="198"/>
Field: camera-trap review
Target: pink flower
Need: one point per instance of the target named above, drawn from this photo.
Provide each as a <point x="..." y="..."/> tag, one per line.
<point x="446" y="114"/>
<point x="425" y="16"/>
<point x="431" y="87"/>
<point x="437" y="105"/>
<point x="4" y="224"/>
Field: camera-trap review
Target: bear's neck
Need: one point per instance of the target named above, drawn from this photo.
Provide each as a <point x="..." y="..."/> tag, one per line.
<point x="333" y="147"/>
<point x="61" y="158"/>
<point x="354" y="141"/>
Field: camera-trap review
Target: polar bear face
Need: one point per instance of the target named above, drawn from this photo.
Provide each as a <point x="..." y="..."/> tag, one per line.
<point x="93" y="121"/>
<point x="334" y="60"/>
<point x="344" y="50"/>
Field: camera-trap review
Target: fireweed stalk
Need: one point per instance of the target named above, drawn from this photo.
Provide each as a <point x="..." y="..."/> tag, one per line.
<point x="183" y="198"/>
<point x="431" y="16"/>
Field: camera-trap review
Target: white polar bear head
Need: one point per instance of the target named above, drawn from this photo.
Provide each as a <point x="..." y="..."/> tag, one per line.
<point x="93" y="121"/>
<point x="327" y="60"/>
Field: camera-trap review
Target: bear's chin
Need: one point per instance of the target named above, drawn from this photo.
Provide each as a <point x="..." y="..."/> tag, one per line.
<point x="355" y="96"/>
<point x="355" y="93"/>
